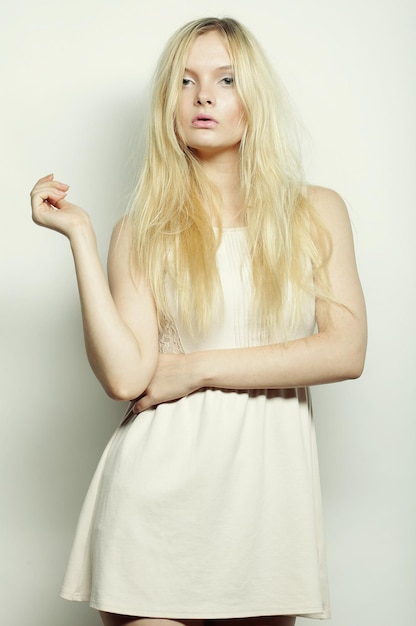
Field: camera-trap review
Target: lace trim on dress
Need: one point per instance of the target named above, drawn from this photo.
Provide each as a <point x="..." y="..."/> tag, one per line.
<point x="169" y="340"/>
<point x="169" y="343"/>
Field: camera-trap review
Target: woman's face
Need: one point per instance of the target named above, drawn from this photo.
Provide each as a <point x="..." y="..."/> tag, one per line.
<point x="211" y="115"/>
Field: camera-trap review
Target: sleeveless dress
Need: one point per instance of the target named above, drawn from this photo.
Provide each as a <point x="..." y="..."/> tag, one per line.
<point x="208" y="506"/>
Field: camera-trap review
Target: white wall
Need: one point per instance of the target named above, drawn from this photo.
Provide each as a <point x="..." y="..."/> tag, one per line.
<point x="74" y="77"/>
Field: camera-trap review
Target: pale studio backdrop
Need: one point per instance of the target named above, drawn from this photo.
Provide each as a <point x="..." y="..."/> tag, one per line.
<point x="74" y="80"/>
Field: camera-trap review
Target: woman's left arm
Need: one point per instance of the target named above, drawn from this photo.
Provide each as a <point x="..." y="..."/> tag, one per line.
<point x="336" y="352"/>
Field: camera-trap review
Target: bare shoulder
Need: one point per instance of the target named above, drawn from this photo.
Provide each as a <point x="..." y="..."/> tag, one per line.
<point x="329" y="206"/>
<point x="120" y="244"/>
<point x="119" y="257"/>
<point x="121" y="235"/>
<point x="327" y="202"/>
<point x="332" y="213"/>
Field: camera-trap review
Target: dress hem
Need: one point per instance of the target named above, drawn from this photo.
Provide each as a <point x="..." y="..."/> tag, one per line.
<point x="310" y="612"/>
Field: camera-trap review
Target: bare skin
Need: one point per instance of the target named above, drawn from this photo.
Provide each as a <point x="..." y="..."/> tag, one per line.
<point x="113" y="619"/>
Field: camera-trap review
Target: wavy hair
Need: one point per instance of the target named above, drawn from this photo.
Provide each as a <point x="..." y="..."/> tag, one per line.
<point x="171" y="229"/>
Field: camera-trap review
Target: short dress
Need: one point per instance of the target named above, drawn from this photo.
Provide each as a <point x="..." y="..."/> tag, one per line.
<point x="208" y="506"/>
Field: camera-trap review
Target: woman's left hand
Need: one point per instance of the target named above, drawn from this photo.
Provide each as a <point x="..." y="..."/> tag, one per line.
<point x="174" y="378"/>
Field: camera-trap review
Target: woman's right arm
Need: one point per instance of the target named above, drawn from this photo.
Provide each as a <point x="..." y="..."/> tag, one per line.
<point x="119" y="321"/>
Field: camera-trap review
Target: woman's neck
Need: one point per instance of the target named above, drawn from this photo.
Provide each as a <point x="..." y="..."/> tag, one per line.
<point x="223" y="172"/>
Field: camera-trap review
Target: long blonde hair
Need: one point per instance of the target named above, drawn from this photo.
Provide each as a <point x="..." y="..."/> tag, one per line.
<point x="172" y="231"/>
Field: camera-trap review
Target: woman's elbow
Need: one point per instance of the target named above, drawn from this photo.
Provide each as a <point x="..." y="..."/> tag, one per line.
<point x="120" y="394"/>
<point x="123" y="390"/>
<point x="354" y="359"/>
<point x="356" y="369"/>
<point x="346" y="355"/>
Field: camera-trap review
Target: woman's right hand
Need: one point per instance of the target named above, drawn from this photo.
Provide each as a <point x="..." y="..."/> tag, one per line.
<point x="51" y="210"/>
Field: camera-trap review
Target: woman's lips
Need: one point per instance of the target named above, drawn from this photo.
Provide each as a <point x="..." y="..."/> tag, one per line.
<point x="204" y="121"/>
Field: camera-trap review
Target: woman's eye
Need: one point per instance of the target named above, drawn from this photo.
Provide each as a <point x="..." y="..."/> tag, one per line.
<point x="186" y="81"/>
<point x="228" y="80"/>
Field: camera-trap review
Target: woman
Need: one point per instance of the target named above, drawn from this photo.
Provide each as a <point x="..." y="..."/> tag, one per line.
<point x="206" y="505"/>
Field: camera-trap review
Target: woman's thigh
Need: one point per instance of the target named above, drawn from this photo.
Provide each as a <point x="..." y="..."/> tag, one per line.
<point x="273" y="620"/>
<point x="114" y="619"/>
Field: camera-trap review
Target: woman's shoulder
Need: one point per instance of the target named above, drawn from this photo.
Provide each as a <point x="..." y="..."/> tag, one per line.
<point x="120" y="244"/>
<point x="321" y="197"/>
<point x="122" y="232"/>
<point x="328" y="204"/>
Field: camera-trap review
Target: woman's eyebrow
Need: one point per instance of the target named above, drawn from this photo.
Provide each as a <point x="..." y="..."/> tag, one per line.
<point x="222" y="68"/>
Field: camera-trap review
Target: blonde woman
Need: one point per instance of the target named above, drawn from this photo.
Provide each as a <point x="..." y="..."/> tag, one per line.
<point x="232" y="288"/>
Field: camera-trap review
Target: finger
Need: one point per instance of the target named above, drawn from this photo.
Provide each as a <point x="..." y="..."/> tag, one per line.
<point x="45" y="178"/>
<point x="48" y="194"/>
<point x="47" y="182"/>
<point x="61" y="203"/>
<point x="142" y="404"/>
<point x="48" y="198"/>
<point x="51" y="187"/>
<point x="42" y="181"/>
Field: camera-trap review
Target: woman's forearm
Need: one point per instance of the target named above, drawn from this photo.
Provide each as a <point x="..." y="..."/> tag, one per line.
<point x="318" y="359"/>
<point x="322" y="358"/>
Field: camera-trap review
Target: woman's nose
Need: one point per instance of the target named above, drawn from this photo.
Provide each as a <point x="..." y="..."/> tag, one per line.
<point x="203" y="98"/>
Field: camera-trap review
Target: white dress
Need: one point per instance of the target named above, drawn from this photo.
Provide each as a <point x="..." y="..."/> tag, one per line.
<point x="209" y="506"/>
